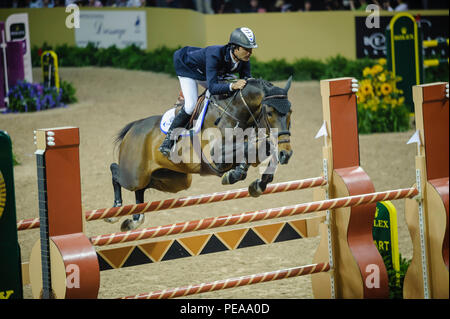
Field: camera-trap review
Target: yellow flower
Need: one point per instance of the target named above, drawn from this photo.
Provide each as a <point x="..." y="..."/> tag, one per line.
<point x="361" y="98"/>
<point x="367" y="71"/>
<point x="382" y="77"/>
<point x="366" y="87"/>
<point x="386" y="88"/>
<point x="377" y="69"/>
<point x="401" y="100"/>
<point x="382" y="61"/>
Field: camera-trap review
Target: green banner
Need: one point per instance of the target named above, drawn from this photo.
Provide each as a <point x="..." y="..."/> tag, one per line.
<point x="404" y="53"/>
<point x="384" y="232"/>
<point x="10" y="262"/>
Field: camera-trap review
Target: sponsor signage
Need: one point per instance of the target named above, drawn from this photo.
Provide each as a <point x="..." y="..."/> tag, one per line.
<point x="107" y="28"/>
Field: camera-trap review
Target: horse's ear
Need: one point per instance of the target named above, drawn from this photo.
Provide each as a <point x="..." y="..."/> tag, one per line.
<point x="288" y="84"/>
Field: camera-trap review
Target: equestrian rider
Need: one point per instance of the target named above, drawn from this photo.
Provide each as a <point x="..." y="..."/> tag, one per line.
<point x="206" y="66"/>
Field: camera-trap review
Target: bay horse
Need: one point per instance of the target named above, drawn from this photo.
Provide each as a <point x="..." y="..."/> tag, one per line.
<point x="259" y="104"/>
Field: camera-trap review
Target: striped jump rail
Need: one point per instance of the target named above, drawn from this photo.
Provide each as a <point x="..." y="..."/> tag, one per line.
<point x="185" y="201"/>
<point x="214" y="222"/>
<point x="234" y="282"/>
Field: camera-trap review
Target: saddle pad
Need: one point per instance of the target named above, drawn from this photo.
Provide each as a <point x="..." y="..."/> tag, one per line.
<point x="168" y="117"/>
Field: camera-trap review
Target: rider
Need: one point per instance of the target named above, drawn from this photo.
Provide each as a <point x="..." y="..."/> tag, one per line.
<point x="206" y="66"/>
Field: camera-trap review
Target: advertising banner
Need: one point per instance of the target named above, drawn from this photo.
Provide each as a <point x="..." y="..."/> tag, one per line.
<point x="107" y="28"/>
<point x="16" y="27"/>
<point x="371" y="42"/>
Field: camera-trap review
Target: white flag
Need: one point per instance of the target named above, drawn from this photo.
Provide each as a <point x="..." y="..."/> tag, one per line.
<point x="415" y="139"/>
<point x="322" y="130"/>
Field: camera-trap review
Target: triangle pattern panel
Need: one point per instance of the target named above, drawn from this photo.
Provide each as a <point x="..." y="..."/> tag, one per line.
<point x="232" y="238"/>
<point x="176" y="250"/>
<point x="214" y="245"/>
<point x="251" y="239"/>
<point x="269" y="232"/>
<point x="156" y="250"/>
<point x="199" y="245"/>
<point x="102" y="263"/>
<point x="300" y="226"/>
<point x="137" y="257"/>
<point x="194" y="244"/>
<point x="288" y="233"/>
<point x="115" y="257"/>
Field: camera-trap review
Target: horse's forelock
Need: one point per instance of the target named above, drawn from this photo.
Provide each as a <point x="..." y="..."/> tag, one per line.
<point x="254" y="87"/>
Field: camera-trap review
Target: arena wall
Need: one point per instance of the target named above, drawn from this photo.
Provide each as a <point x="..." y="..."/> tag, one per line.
<point x="290" y="35"/>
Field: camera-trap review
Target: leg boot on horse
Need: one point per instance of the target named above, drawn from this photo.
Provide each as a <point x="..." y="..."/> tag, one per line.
<point x="180" y="120"/>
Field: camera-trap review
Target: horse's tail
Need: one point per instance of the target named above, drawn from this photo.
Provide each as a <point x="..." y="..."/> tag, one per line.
<point x="123" y="132"/>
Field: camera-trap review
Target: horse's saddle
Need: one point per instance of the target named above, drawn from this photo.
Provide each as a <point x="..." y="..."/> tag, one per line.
<point x="197" y="118"/>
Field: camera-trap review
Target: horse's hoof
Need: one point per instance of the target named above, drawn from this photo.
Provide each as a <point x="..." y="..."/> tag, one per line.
<point x="113" y="220"/>
<point x="131" y="223"/>
<point x="225" y="180"/>
<point x="254" y="190"/>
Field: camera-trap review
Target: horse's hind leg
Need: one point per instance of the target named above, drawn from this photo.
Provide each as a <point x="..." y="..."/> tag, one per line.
<point x="117" y="191"/>
<point x="137" y="219"/>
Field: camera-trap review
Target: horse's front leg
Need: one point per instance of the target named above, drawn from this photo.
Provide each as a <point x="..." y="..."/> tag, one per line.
<point x="235" y="175"/>
<point x="258" y="187"/>
<point x="238" y="173"/>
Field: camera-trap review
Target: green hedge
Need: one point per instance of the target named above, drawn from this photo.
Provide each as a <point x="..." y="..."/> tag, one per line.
<point x="160" y="60"/>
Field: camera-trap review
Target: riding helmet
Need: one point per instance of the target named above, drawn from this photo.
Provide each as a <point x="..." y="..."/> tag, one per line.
<point x="243" y="37"/>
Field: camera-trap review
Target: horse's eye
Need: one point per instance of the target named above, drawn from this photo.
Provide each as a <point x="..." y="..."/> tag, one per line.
<point x="269" y="114"/>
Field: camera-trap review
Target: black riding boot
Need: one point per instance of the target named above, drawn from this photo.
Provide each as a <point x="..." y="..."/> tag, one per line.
<point x="180" y="120"/>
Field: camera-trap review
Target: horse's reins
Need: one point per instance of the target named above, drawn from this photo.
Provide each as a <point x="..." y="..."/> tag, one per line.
<point x="248" y="109"/>
<point x="224" y="111"/>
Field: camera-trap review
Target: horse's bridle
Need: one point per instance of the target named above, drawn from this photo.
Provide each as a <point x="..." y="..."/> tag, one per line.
<point x="263" y="114"/>
<point x="261" y="117"/>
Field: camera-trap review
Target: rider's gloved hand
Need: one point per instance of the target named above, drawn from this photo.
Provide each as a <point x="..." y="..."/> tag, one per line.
<point x="238" y="85"/>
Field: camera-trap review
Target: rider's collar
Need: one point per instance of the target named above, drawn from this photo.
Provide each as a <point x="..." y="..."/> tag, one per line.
<point x="233" y="59"/>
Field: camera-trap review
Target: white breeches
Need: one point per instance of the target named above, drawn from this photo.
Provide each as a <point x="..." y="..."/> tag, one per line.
<point x="190" y="92"/>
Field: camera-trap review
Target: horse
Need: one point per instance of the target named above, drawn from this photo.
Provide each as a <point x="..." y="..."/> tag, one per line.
<point x="140" y="166"/>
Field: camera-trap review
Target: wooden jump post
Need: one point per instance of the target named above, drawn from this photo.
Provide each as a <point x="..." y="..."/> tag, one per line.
<point x="63" y="250"/>
<point x="428" y="217"/>
<point x="346" y="236"/>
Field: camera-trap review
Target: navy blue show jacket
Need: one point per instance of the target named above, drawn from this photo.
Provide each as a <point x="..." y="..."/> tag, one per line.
<point x="209" y="64"/>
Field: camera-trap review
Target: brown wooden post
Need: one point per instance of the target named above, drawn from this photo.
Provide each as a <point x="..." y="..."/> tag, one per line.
<point x="63" y="264"/>
<point x="428" y="216"/>
<point x="358" y="269"/>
